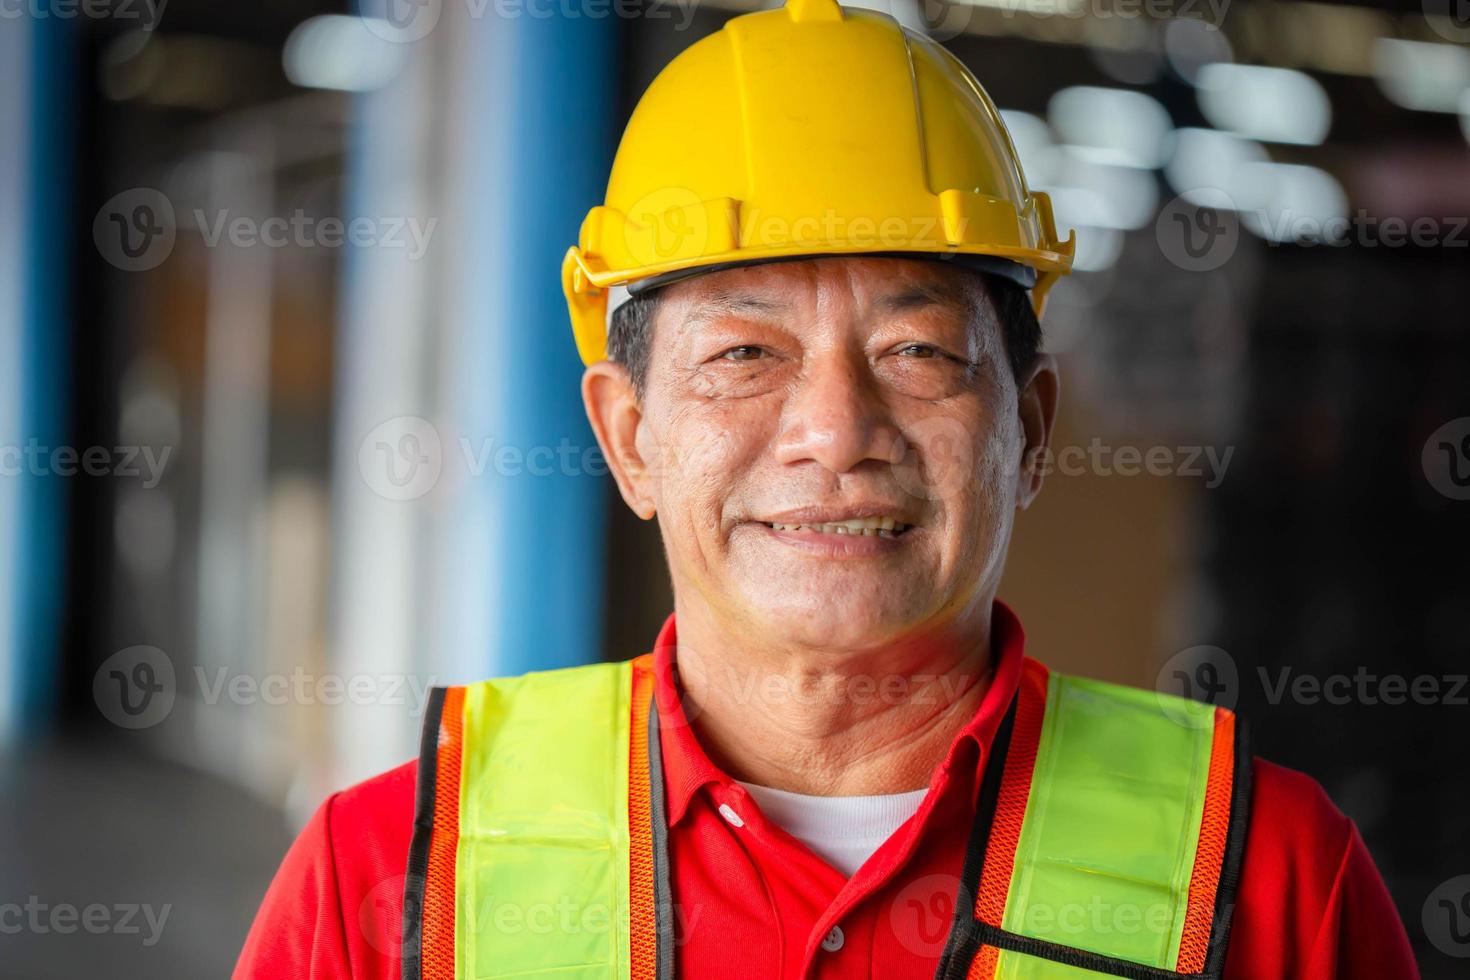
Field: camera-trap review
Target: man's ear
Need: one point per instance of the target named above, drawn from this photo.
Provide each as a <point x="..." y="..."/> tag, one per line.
<point x="1036" y="405"/>
<point x="612" y="407"/>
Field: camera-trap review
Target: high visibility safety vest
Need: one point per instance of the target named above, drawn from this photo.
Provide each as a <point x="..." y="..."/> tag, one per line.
<point x="1107" y="841"/>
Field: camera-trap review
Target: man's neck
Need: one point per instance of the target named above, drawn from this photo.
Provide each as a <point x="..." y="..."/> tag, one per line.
<point x="831" y="722"/>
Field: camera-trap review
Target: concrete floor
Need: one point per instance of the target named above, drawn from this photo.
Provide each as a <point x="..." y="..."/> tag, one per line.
<point x="117" y="836"/>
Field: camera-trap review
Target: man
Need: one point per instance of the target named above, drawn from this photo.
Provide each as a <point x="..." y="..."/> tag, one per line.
<point x="809" y="312"/>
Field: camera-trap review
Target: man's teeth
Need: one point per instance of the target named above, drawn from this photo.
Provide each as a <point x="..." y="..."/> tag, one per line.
<point x="885" y="527"/>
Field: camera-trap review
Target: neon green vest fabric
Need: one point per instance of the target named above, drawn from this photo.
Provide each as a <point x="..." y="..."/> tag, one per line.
<point x="1108" y="845"/>
<point x="1100" y="882"/>
<point x="543" y="855"/>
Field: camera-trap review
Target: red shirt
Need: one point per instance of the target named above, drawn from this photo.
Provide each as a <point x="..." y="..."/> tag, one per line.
<point x="752" y="901"/>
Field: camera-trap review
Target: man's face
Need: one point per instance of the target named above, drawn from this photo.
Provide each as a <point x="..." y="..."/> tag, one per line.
<point x="833" y="447"/>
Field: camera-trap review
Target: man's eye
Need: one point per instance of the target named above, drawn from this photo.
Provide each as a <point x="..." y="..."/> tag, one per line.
<point x="745" y="352"/>
<point x="918" y="350"/>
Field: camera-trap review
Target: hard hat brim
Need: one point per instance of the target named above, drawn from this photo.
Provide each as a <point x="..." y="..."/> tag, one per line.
<point x="1021" y="275"/>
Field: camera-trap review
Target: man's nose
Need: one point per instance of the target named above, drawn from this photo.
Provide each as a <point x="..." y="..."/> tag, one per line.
<point x="837" y="416"/>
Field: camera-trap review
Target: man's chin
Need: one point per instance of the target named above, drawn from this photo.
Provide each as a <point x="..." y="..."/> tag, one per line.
<point x="821" y="615"/>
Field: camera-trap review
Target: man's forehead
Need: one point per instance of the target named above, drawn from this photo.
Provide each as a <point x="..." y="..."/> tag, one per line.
<point x="888" y="284"/>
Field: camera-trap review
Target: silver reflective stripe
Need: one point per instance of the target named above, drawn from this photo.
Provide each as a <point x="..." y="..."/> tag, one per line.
<point x="616" y="297"/>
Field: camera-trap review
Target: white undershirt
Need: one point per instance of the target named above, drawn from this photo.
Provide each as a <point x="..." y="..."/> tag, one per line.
<point x="844" y="831"/>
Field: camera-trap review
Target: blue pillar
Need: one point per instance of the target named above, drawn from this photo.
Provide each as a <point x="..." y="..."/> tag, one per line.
<point x="539" y="119"/>
<point x="499" y="128"/>
<point x="34" y="183"/>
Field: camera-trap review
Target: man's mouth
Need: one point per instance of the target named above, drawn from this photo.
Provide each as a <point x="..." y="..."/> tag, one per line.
<point x="876" y="527"/>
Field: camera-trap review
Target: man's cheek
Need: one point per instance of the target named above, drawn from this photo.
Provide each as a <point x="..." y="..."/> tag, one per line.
<point x="720" y="440"/>
<point x="939" y="459"/>
<point x="699" y="464"/>
<point x="671" y="453"/>
<point x="653" y="448"/>
<point x="990" y="503"/>
<point x="991" y="489"/>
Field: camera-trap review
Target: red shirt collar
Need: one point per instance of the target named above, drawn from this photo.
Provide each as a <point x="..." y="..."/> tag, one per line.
<point x="687" y="768"/>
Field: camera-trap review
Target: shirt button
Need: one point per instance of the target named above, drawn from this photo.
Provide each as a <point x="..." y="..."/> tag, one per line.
<point x="729" y="814"/>
<point x="834" y="940"/>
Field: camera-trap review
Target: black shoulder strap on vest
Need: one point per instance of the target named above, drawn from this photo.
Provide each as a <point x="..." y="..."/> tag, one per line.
<point x="663" y="890"/>
<point x="1240" y="809"/>
<point x="418" y="848"/>
<point x="964" y="935"/>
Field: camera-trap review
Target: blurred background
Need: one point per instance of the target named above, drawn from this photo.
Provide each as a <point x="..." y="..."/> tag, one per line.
<point x="289" y="425"/>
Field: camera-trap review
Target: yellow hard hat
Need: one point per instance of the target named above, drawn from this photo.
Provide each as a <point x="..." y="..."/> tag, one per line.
<point x="802" y="131"/>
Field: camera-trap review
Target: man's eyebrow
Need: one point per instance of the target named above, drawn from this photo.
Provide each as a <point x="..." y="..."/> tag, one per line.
<point x="729" y="304"/>
<point x="920" y="294"/>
